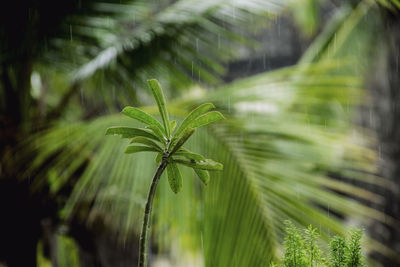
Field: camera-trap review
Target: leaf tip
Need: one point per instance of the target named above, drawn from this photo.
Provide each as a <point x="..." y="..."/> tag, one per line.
<point x="125" y="109"/>
<point x="219" y="166"/>
<point x="222" y="117"/>
<point x="153" y="83"/>
<point x="212" y="106"/>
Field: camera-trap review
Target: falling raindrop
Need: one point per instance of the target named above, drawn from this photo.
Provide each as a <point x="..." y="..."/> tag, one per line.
<point x="202" y="244"/>
<point x="192" y="68"/>
<point x="334" y="43"/>
<point x="380" y="152"/>
<point x="81" y="93"/>
<point x="197" y="44"/>
<point x="199" y="76"/>
<point x="279" y="26"/>
<point x="264" y="57"/>
<point x="70" y="32"/>
<point x="370" y="118"/>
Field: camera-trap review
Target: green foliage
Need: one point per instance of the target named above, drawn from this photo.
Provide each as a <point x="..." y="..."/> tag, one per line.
<point x="193" y="115"/>
<point x="294" y="247"/>
<point x="174" y="177"/>
<point x="169" y="145"/>
<point x="338" y="248"/>
<point x="313" y="253"/>
<point x="303" y="250"/>
<point x="354" y="251"/>
<point x="159" y="97"/>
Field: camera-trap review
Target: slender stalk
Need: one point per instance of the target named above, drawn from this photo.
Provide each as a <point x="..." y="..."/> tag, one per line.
<point x="143" y="245"/>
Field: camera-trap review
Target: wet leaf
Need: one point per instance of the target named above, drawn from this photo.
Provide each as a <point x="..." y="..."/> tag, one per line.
<point x="159" y="96"/>
<point x="147" y="142"/>
<point x="157" y="132"/>
<point x="203" y="175"/>
<point x="206" y="119"/>
<point x="189" y="155"/>
<point x="174" y="177"/>
<point x="194" y="114"/>
<point x="135" y="149"/>
<point x="158" y="158"/>
<point x="141" y="116"/>
<point x="185" y="136"/>
<point x="172" y="125"/>
<point x="128" y="132"/>
<point x="208" y="164"/>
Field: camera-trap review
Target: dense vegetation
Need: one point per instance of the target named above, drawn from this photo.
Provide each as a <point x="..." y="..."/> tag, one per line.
<point x="302" y="249"/>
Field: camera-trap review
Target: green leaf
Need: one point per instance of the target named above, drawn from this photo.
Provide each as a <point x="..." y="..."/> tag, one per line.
<point x="141" y="116"/>
<point x="157" y="132"/>
<point x="203" y="175"/>
<point x="189" y="155"/>
<point x="174" y="177"/>
<point x="194" y="114"/>
<point x="159" y="96"/>
<point x="158" y="158"/>
<point x="128" y="132"/>
<point x="147" y="142"/>
<point x="135" y="149"/>
<point x="206" y="119"/>
<point x="208" y="164"/>
<point x="172" y="125"/>
<point x="185" y="136"/>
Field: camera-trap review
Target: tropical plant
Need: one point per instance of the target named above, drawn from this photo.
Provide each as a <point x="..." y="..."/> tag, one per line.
<point x="170" y="150"/>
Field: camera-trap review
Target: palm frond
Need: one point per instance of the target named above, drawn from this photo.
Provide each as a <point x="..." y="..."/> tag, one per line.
<point x="115" y="47"/>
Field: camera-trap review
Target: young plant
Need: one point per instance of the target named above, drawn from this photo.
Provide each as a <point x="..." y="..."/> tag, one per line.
<point x="294" y="247"/>
<point x="354" y="255"/>
<point x="168" y="144"/>
<point x="313" y="252"/>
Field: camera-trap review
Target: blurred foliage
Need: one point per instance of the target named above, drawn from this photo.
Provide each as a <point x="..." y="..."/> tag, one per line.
<point x="287" y="143"/>
<point x="67" y="252"/>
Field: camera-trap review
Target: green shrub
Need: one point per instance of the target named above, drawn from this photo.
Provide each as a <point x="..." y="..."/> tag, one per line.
<point x="338" y="248"/>
<point x="302" y="249"/>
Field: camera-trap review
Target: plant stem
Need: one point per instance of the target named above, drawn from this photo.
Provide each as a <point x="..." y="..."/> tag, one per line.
<point x="143" y="245"/>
